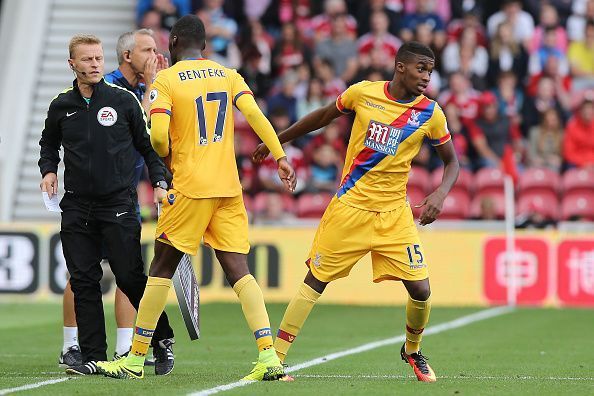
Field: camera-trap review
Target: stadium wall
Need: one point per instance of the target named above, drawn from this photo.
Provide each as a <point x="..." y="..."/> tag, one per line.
<point x="466" y="267"/>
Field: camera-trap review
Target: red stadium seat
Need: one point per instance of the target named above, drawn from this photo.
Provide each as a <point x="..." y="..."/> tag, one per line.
<point x="497" y="198"/>
<point x="313" y="205"/>
<point x="415" y="196"/>
<point x="419" y="177"/>
<point x="488" y="180"/>
<point x="261" y="201"/>
<point x="464" y="182"/>
<point x="578" y="180"/>
<point x="456" y="206"/>
<point x="543" y="202"/>
<point x="578" y="206"/>
<point x="539" y="180"/>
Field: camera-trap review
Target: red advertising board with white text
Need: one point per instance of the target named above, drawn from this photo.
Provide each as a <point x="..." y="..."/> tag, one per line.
<point x="531" y="273"/>
<point x="575" y="272"/>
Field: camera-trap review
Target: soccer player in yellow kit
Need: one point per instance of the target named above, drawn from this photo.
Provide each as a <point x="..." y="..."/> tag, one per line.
<point x="192" y="123"/>
<point x="370" y="212"/>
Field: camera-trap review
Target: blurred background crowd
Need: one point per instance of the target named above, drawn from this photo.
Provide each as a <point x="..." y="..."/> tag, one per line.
<point x="515" y="80"/>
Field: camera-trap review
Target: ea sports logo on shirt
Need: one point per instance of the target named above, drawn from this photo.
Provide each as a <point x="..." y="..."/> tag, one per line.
<point x="107" y="116"/>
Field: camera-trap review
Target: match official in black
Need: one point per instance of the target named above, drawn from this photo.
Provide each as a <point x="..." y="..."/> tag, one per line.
<point x="100" y="126"/>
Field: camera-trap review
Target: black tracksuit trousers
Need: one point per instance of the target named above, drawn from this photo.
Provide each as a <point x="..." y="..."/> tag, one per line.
<point x="88" y="225"/>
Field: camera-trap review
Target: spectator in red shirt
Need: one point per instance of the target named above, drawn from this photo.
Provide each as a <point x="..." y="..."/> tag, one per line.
<point x="279" y="118"/>
<point x="461" y="94"/>
<point x="470" y="19"/>
<point x="491" y="133"/>
<point x="322" y="24"/>
<point x="378" y="38"/>
<point x="289" y="51"/>
<point x="332" y="136"/>
<point x="578" y="144"/>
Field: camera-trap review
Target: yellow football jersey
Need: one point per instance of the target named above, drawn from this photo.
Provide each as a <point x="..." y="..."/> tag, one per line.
<point x="198" y="95"/>
<point x="386" y="135"/>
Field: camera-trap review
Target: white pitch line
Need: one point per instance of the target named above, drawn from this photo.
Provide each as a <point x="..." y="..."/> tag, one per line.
<point x="481" y="377"/>
<point x="32" y="386"/>
<point x="453" y="324"/>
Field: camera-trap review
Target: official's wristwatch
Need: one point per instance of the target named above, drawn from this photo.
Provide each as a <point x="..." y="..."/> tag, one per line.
<point x="161" y="184"/>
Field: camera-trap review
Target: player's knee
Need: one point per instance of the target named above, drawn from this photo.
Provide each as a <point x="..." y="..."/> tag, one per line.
<point x="234" y="276"/>
<point x="158" y="270"/>
<point x="315" y="283"/>
<point x="421" y="293"/>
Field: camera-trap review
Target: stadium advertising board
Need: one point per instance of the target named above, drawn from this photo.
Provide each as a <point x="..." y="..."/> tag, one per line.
<point x="19" y="262"/>
<point x="466" y="268"/>
<point x="532" y="274"/>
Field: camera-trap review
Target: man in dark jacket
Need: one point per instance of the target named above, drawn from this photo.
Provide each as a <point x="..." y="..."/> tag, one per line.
<point x="100" y="126"/>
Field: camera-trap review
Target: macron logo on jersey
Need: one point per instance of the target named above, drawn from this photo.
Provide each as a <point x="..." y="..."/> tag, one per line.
<point x="383" y="137"/>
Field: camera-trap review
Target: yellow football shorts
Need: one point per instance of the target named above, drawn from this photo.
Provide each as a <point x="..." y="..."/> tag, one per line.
<point x="223" y="223"/>
<point x="346" y="234"/>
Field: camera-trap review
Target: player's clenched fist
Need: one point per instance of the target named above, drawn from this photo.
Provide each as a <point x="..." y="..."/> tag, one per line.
<point x="49" y="184"/>
<point x="260" y="153"/>
<point x="287" y="174"/>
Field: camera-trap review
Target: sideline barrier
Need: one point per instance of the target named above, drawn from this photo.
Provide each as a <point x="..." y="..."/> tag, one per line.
<point x="466" y="267"/>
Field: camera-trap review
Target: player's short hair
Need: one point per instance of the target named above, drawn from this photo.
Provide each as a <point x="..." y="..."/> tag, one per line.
<point x="126" y="42"/>
<point x="190" y="29"/>
<point x="410" y="50"/>
<point x="80" y="39"/>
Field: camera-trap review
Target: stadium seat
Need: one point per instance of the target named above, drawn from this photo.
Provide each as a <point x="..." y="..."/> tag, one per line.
<point x="261" y="200"/>
<point x="313" y="205"/>
<point x="419" y="178"/>
<point x="578" y="205"/>
<point x="488" y="180"/>
<point x="464" y="181"/>
<point x="498" y="200"/>
<point x="578" y="180"/>
<point x="539" y="180"/>
<point x="415" y="196"/>
<point x="543" y="202"/>
<point x="456" y="206"/>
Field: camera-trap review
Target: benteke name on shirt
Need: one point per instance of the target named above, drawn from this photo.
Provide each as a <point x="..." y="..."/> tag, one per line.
<point x="200" y="73"/>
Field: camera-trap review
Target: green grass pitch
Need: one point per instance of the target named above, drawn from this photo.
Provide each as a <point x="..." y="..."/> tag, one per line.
<point x="527" y="351"/>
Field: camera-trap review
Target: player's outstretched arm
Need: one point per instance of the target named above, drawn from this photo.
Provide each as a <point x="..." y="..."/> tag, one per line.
<point x="313" y="121"/>
<point x="433" y="203"/>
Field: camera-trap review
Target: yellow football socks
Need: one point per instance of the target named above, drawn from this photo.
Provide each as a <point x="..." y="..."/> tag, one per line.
<point x="254" y="310"/>
<point x="417" y="316"/>
<point x="295" y="315"/>
<point x="150" y="308"/>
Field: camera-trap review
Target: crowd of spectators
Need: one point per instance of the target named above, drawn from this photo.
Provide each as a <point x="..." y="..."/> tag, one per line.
<point x="512" y="76"/>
